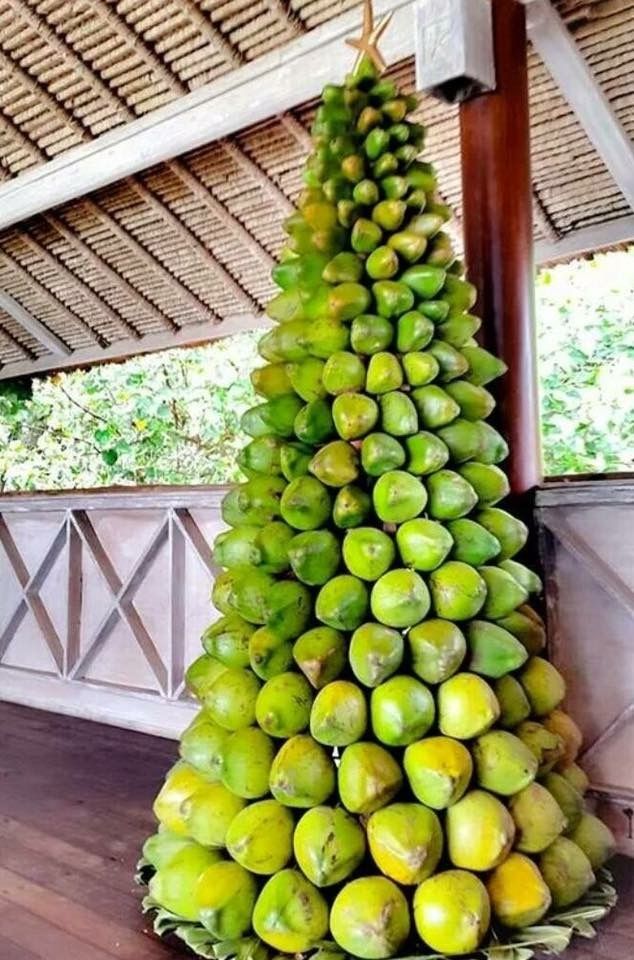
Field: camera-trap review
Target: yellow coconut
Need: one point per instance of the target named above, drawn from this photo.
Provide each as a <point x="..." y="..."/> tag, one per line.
<point x="208" y="813"/>
<point x="467" y="706"/>
<point x="569" y="799"/>
<point x="181" y="781"/>
<point x="519" y="896"/>
<point x="543" y="684"/>
<point x="302" y="773"/>
<point x="368" y="777"/>
<point x="173" y="886"/>
<point x="504" y="764"/>
<point x="538" y="818"/>
<point x="339" y="714"/>
<point x="575" y="776"/>
<point x="595" y="839"/>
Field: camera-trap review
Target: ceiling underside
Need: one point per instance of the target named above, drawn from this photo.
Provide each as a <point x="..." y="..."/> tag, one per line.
<point x="183" y="251"/>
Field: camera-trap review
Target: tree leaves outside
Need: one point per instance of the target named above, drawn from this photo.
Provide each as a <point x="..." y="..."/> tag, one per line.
<point x="167" y="418"/>
<point x="585" y="330"/>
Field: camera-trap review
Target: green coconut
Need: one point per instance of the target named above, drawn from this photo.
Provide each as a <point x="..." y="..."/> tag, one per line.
<point x="339" y="714"/>
<point x="260" y="837"/>
<point x="375" y="653"/>
<point x="329" y="844"/>
<point x="302" y="773"/>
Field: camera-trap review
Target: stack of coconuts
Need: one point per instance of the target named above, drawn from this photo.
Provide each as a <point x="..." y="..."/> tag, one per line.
<point x="380" y="757"/>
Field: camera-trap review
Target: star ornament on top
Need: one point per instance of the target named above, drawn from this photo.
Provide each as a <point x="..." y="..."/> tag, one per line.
<point x="367" y="43"/>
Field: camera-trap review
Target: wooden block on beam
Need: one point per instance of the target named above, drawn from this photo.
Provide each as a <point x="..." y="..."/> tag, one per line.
<point x="454" y="48"/>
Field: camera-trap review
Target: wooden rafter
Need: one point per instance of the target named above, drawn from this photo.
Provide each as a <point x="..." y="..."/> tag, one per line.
<point x="191" y="240"/>
<point x="87" y="292"/>
<point x="42" y="96"/>
<point x="253" y="170"/>
<point x="214" y="36"/>
<point x="34" y="327"/>
<point x="85" y="251"/>
<point x="206" y="29"/>
<point x="297" y="130"/>
<point x="543" y="218"/>
<point x="238" y="155"/>
<point x="283" y="9"/>
<point x="145" y="257"/>
<point x="32" y="283"/>
<point x="121" y="27"/>
<point x="8" y="337"/>
<point x="16" y="133"/>
<point x="38" y="23"/>
<point x="220" y="212"/>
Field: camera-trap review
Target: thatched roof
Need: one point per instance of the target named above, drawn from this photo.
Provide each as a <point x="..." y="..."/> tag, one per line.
<point x="190" y="243"/>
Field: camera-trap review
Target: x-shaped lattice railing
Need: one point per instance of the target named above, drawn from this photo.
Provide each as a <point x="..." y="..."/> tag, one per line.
<point x="31" y="585"/>
<point x="176" y="529"/>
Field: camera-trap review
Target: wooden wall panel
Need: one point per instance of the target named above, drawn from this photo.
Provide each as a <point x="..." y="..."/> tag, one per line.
<point x="587" y="542"/>
<point x="103" y="597"/>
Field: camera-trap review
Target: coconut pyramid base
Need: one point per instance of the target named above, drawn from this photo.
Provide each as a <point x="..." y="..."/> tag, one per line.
<point x="552" y="936"/>
<point x="381" y="766"/>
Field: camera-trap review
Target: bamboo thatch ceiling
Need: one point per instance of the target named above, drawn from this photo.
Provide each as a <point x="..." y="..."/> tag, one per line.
<point x="190" y="243"/>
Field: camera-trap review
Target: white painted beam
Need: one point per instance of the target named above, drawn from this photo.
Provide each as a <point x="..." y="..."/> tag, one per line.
<point x="570" y="71"/>
<point x="598" y="237"/>
<point x="189" y="336"/>
<point x="270" y="85"/>
<point x="35" y="327"/>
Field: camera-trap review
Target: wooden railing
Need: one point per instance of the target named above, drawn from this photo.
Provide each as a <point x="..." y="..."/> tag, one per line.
<point x="103" y="597"/>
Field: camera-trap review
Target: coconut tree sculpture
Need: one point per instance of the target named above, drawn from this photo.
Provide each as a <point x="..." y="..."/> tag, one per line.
<point x="380" y="765"/>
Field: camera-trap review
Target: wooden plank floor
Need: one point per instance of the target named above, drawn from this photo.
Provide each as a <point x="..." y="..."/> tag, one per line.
<point x="75" y="802"/>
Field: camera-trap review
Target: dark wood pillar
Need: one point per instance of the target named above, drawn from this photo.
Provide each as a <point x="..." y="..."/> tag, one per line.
<point x="498" y="227"/>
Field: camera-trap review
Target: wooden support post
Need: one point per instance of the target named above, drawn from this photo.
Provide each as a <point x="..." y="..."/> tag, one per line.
<point x="497" y="213"/>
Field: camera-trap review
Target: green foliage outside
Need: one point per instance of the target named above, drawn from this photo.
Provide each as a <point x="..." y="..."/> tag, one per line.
<point x="169" y="417"/>
<point x="174" y="417"/>
<point x="585" y="329"/>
